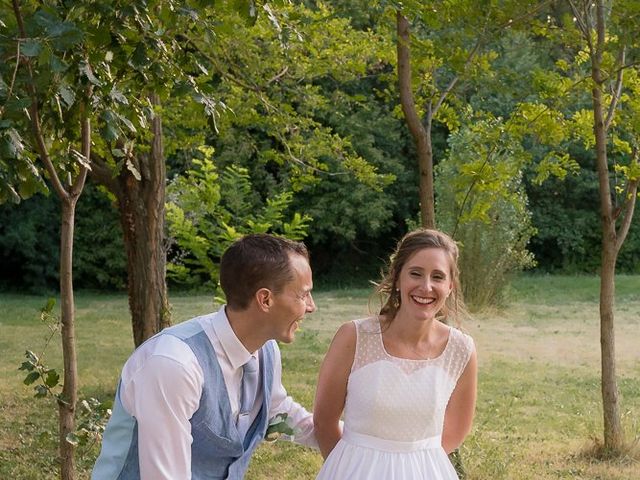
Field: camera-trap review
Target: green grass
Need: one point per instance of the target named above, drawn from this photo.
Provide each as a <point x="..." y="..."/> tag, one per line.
<point x="557" y="289"/>
<point x="539" y="407"/>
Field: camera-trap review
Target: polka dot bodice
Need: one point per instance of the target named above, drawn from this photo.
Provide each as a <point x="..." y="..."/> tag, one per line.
<point x="401" y="399"/>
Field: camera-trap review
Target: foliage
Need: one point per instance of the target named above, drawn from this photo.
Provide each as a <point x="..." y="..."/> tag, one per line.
<point x="303" y="115"/>
<point x="265" y="76"/>
<point x="483" y="205"/>
<point x="208" y="210"/>
<point x="30" y="260"/>
<point x="301" y="95"/>
<point x="565" y="213"/>
<point x="93" y="414"/>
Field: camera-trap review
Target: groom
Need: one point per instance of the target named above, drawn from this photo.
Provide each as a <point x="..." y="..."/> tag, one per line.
<point x="194" y="401"/>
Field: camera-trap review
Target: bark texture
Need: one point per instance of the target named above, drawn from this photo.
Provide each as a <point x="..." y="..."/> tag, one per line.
<point x="421" y="133"/>
<point x="69" y="398"/>
<point x="139" y="188"/>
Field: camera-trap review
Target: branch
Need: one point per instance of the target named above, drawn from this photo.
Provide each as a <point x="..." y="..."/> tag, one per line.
<point x="279" y="75"/>
<point x="13" y="77"/>
<point x="85" y="135"/>
<point x="600" y="32"/>
<point x="580" y="20"/>
<point x="220" y="70"/>
<point x="589" y="27"/>
<point x="616" y="92"/>
<point x="404" y="78"/>
<point x="525" y="15"/>
<point x="35" y="115"/>
<point x="476" y="48"/>
<point x="468" y="192"/>
<point x="306" y="165"/>
<point x="103" y="174"/>
<point x="628" y="206"/>
<point x="455" y="79"/>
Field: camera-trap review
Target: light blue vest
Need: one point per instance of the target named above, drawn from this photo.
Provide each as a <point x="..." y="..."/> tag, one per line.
<point x="217" y="451"/>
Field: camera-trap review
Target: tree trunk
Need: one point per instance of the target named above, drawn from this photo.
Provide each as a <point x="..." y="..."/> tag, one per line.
<point x="67" y="405"/>
<point x="613" y="437"/>
<point x="421" y="134"/>
<point x="141" y="203"/>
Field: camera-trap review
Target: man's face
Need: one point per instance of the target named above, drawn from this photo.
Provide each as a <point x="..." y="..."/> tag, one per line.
<point x="293" y="301"/>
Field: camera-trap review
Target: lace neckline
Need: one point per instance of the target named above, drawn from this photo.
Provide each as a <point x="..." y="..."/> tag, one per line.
<point x="386" y="353"/>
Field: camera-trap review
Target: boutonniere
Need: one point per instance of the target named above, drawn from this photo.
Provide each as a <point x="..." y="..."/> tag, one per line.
<point x="278" y="426"/>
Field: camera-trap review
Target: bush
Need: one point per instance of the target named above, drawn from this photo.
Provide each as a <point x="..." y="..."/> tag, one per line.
<point x="481" y="203"/>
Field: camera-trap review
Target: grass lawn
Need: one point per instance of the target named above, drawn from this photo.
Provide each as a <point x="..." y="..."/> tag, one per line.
<point x="539" y="408"/>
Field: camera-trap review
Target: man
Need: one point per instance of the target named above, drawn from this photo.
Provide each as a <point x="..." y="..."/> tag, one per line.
<point x="194" y="401"/>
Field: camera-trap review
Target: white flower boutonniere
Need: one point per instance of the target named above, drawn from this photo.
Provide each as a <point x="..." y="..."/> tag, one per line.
<point x="278" y="426"/>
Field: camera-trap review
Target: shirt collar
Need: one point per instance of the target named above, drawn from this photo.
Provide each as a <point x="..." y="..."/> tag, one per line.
<point x="233" y="348"/>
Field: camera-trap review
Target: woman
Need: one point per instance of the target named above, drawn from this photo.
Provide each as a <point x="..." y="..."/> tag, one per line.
<point x="405" y="380"/>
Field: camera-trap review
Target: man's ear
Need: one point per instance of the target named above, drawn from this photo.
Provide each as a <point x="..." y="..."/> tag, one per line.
<point x="264" y="298"/>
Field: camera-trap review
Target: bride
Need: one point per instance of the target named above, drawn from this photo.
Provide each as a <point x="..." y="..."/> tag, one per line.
<point x="405" y="380"/>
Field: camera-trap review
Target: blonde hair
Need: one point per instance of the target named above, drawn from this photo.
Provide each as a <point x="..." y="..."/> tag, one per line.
<point x="454" y="309"/>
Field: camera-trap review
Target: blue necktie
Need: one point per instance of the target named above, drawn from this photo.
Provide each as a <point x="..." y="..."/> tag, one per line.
<point x="248" y="393"/>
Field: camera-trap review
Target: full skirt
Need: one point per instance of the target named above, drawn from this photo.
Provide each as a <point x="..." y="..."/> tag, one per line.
<point x="362" y="457"/>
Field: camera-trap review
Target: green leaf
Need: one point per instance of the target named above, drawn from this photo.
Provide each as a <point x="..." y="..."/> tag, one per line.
<point x="102" y="36"/>
<point x="32" y="377"/>
<point x="15" y="141"/>
<point x="57" y="64"/>
<point x="30" y="186"/>
<point x="51" y="302"/>
<point x="206" y="3"/>
<point x="69" y="37"/>
<point x="17" y="104"/>
<point x="128" y="123"/>
<point x="85" y="69"/>
<point x="110" y="130"/>
<point x="139" y="58"/>
<point x="68" y="96"/>
<point x="52" y="378"/>
<point x="32" y="357"/>
<point x="117" y="96"/>
<point x="30" y="48"/>
<point x="28" y="366"/>
<point x="41" y="391"/>
<point x="80" y="158"/>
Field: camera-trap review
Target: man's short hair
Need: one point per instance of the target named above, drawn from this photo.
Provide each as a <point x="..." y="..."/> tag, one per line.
<point x="257" y="261"/>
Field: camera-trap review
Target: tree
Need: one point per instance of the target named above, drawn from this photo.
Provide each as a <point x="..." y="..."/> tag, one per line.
<point x="292" y="94"/>
<point x="144" y="64"/>
<point x="483" y="205"/>
<point x="591" y="97"/>
<point x="606" y="42"/>
<point x="452" y="40"/>
<point x="35" y="40"/>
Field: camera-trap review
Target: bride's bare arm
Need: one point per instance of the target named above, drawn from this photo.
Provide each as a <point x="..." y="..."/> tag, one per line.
<point x="458" y="417"/>
<point x="332" y="388"/>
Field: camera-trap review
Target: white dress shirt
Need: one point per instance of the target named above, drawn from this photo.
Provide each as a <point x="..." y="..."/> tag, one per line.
<point x="161" y="385"/>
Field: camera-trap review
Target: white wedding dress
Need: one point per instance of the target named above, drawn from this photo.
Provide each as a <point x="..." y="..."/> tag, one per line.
<point x="394" y="411"/>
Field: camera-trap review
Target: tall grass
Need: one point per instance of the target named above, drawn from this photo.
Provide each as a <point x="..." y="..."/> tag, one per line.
<point x="539" y="408"/>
